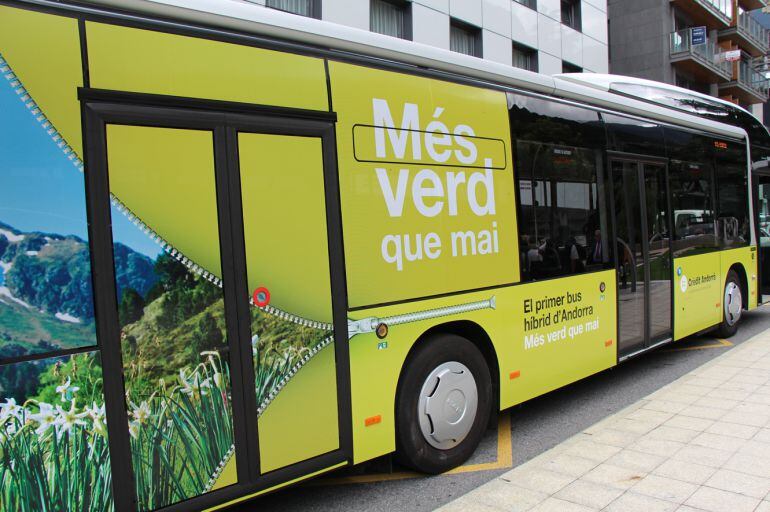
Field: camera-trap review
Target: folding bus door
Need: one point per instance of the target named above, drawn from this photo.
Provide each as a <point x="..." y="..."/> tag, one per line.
<point x="218" y="258"/>
<point x="291" y="315"/>
<point x="642" y="220"/>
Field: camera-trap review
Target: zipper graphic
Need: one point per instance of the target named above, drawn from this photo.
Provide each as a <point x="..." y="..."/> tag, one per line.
<point x="367" y="325"/>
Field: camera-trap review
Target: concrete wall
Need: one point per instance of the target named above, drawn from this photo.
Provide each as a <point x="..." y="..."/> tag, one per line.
<point x="639" y="34"/>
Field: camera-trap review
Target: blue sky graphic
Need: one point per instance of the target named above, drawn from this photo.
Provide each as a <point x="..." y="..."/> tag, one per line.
<point x="40" y="189"/>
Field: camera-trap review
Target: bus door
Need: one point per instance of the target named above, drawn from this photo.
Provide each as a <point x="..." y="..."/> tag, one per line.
<point x="642" y="245"/>
<point x="226" y="352"/>
<point x="761" y="185"/>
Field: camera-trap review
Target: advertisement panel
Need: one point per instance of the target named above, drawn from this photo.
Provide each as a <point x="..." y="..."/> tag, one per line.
<point x="426" y="185"/>
<point x="698" y="284"/>
<point x="545" y="335"/>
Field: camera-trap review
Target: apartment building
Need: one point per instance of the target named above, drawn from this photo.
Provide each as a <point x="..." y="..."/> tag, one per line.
<point x="711" y="46"/>
<point x="549" y="36"/>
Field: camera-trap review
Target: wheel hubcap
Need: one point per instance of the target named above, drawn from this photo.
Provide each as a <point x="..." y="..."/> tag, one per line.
<point x="733" y="303"/>
<point x="448" y="403"/>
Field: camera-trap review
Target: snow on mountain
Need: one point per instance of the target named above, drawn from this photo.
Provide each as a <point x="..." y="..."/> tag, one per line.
<point x="10" y="236"/>
<point x="5" y="292"/>
<point x="64" y="317"/>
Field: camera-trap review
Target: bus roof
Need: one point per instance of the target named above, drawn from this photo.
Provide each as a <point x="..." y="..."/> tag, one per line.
<point x="252" y="19"/>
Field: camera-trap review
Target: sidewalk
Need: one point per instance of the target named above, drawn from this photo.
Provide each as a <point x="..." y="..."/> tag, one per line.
<point x="701" y="443"/>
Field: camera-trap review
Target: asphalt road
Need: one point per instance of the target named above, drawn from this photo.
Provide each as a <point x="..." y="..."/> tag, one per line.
<point x="535" y="427"/>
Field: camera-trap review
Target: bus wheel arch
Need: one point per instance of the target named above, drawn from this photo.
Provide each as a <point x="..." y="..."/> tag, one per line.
<point x="445" y="397"/>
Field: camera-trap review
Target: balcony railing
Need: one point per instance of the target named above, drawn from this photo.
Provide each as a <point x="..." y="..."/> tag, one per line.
<point x="707" y="54"/>
<point x="722" y="8"/>
<point x="750" y="28"/>
<point x="753" y="79"/>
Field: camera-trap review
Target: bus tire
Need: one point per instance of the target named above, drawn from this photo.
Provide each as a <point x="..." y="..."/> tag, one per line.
<point x="732" y="306"/>
<point x="443" y="404"/>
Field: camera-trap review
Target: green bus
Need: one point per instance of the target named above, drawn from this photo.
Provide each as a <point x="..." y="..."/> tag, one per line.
<point x="241" y="248"/>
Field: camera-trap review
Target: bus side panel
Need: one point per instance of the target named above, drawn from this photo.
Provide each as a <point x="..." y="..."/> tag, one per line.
<point x="746" y="257"/>
<point x="143" y="61"/>
<point x="698" y="284"/>
<point x="44" y="52"/>
<point x="546" y="335"/>
<point x="426" y="186"/>
<point x="53" y="432"/>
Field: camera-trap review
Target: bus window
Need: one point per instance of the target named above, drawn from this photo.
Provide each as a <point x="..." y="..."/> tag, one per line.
<point x="628" y="135"/>
<point x="732" y="194"/>
<point x="562" y="208"/>
<point x="691" y="185"/>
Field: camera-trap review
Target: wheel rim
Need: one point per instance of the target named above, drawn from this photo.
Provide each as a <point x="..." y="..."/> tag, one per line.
<point x="448" y="403"/>
<point x="733" y="303"/>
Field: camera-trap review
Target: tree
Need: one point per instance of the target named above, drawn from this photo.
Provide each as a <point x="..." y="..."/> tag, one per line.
<point x="131" y="307"/>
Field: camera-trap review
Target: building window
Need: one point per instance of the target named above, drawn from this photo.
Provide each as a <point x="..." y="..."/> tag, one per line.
<point x="464" y="38"/>
<point x="567" y="67"/>
<point x="309" y="8"/>
<point x="391" y="17"/>
<point x="532" y="4"/>
<point x="524" y="57"/>
<point x="570" y="13"/>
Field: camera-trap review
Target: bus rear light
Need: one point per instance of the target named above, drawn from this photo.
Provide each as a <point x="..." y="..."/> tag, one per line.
<point x="372" y="420"/>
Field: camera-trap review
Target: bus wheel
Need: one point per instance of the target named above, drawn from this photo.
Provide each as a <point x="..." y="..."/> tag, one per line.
<point x="442" y="405"/>
<point x="733" y="306"/>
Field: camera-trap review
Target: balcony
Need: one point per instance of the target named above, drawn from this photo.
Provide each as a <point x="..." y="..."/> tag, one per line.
<point x="750" y="5"/>
<point x="702" y="61"/>
<point x="748" y="85"/>
<point x="711" y="13"/>
<point x="752" y="37"/>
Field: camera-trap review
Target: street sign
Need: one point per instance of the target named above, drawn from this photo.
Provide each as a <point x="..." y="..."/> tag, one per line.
<point x="698" y="35"/>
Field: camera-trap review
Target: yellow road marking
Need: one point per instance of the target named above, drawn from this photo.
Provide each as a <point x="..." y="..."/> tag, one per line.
<point x="719" y="344"/>
<point x="504" y="461"/>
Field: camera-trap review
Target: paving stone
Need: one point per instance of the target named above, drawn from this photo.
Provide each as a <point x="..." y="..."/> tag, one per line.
<point x="656" y="417"/>
<point x="638" y="461"/>
<point x="693" y="390"/>
<point x="507" y="496"/>
<point x="679" y="397"/>
<point x="688" y="422"/>
<point x="685" y="508"/>
<point x="654" y="446"/>
<point x="468" y="504"/>
<point x="665" y="406"/>
<point x="743" y="418"/>
<point x="716" y="500"/>
<point x="614" y="437"/>
<point x="683" y="435"/>
<point x="634" y="426"/>
<point x="685" y="471"/>
<point x="703" y="455"/>
<point x="613" y="476"/>
<point x="632" y="502"/>
<point x="730" y="394"/>
<point x="763" y="507"/>
<point x="763" y="435"/>
<point x="756" y="448"/>
<point x="745" y="463"/>
<point x="716" y="403"/>
<point x="718" y="441"/>
<point x="740" y="483"/>
<point x="590" y="494"/>
<point x="539" y="480"/>
<point x="569" y="465"/>
<point x="752" y="408"/>
<point x="665" y="488"/>
<point x="733" y="430"/>
<point x="709" y="413"/>
<point x="593" y="451"/>
<point x="557" y="505"/>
